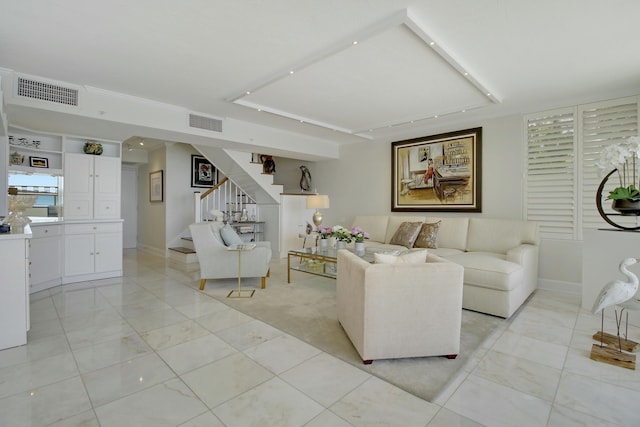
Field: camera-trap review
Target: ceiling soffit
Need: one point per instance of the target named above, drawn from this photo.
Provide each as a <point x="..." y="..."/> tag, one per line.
<point x="392" y="74"/>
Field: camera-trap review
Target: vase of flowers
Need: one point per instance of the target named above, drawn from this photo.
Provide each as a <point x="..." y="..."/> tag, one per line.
<point x="358" y="235"/>
<point x="342" y="236"/>
<point x="622" y="158"/>
<point x="324" y="234"/>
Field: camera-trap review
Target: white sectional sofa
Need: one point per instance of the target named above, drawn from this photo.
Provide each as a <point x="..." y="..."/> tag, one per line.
<point x="499" y="256"/>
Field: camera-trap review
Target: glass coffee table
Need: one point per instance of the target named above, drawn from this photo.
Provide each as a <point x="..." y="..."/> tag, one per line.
<point x="323" y="262"/>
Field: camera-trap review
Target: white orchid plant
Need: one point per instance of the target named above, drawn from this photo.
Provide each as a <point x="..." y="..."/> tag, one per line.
<point x="623" y="157"/>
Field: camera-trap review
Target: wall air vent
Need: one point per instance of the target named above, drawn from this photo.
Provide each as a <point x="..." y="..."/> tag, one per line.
<point x="206" y="123"/>
<point x="47" y="92"/>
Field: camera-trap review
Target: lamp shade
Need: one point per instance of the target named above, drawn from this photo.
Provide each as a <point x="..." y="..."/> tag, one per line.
<point x="318" y="201"/>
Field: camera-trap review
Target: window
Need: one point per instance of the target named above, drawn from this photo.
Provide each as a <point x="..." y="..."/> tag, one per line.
<point x="560" y="191"/>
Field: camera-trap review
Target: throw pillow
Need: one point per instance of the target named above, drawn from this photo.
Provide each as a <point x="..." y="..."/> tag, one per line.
<point x="406" y="234"/>
<point x="411" y="257"/>
<point x="229" y="236"/>
<point x="428" y="236"/>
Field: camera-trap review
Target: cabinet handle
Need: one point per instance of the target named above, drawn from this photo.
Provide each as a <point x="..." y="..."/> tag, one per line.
<point x="46" y="231"/>
<point x="97" y="253"/>
<point x="95" y="228"/>
<point x="90" y="253"/>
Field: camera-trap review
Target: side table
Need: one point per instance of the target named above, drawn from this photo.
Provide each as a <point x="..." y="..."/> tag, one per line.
<point x="241" y="247"/>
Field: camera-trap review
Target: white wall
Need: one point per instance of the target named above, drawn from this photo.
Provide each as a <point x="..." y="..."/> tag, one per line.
<point x="152" y="215"/>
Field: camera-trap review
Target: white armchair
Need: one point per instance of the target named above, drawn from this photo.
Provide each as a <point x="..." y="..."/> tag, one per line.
<point x="216" y="262"/>
<point x="400" y="310"/>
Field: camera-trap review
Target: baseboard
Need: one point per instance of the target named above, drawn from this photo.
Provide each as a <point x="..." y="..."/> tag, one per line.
<point x="560" y="286"/>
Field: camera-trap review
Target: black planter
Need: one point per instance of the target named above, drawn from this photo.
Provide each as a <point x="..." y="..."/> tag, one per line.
<point x="626" y="207"/>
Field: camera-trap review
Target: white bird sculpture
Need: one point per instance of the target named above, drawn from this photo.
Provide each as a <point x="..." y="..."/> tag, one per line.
<point x="618" y="291"/>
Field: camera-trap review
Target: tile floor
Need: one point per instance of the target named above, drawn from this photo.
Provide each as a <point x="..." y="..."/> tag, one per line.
<point x="149" y="349"/>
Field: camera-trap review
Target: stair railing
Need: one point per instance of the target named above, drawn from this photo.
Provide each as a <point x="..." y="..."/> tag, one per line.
<point x="225" y="197"/>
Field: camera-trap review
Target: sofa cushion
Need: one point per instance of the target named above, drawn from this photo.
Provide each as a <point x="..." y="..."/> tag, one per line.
<point x="375" y="225"/>
<point x="499" y="235"/>
<point x="452" y="232"/>
<point x="394" y="223"/>
<point x="411" y="257"/>
<point x="406" y="234"/>
<point x="489" y="270"/>
<point x="428" y="235"/>
<point x="229" y="236"/>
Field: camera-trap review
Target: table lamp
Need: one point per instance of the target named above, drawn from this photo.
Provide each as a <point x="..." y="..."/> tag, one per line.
<point x="317" y="202"/>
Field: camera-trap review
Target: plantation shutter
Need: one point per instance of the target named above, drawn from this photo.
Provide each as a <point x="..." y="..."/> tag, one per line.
<point x="603" y="124"/>
<point x="551" y="196"/>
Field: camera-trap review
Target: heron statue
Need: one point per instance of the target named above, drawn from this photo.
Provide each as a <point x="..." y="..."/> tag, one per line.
<point x="618" y="292"/>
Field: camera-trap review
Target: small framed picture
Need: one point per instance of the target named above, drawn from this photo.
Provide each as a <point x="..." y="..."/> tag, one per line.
<point x="156" y="186"/>
<point x="203" y="173"/>
<point x="38" y="162"/>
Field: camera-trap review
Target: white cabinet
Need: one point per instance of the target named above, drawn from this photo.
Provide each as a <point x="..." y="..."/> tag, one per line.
<point x="92" y="251"/>
<point x="91" y="187"/>
<point x="294" y="217"/>
<point x="14" y="290"/>
<point x="45" y="256"/>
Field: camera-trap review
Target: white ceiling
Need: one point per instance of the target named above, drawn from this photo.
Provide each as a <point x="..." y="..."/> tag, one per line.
<point x="417" y="65"/>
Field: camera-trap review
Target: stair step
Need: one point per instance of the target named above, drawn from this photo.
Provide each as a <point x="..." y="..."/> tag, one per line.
<point x="183" y="250"/>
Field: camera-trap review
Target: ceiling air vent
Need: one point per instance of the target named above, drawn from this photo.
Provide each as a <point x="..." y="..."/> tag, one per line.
<point x="206" y="123"/>
<point x="47" y="92"/>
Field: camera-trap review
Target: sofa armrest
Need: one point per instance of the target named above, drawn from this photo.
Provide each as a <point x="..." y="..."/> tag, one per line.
<point x="523" y="254"/>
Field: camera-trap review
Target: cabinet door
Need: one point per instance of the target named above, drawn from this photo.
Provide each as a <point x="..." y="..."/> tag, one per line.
<point x="46" y="259"/>
<point x="78" y="186"/>
<point x="108" y="252"/>
<point x="79" y="254"/>
<point x="107" y="188"/>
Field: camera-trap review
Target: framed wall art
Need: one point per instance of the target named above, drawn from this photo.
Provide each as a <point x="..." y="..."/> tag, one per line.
<point x="38" y="162"/>
<point x="156" y="186"/>
<point x="203" y="173"/>
<point x="437" y="173"/>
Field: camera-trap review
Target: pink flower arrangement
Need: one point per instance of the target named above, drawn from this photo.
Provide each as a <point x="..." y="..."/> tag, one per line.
<point x="359" y="234"/>
<point x="325" y="232"/>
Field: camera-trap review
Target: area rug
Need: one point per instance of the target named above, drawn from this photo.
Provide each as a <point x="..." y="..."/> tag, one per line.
<point x="306" y="309"/>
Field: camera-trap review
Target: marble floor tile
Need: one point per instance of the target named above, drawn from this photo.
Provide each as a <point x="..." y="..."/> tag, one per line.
<point x="171" y="335"/>
<point x="281" y="353"/>
<point x="273" y="402"/>
<point x="249" y="334"/>
<point x="45" y="328"/>
<point x="42" y="310"/>
<point x="79" y="301"/>
<point x="325" y="378"/>
<point x="97" y="332"/>
<point x="543" y="332"/>
<point x="198" y="352"/>
<point x="199" y="308"/>
<point x="222" y="319"/>
<point x="109" y="353"/>
<point x="156" y="319"/>
<point x="546" y="316"/>
<point x="376" y="402"/>
<point x="565" y="417"/>
<point x="446" y="418"/>
<point x="204" y="420"/>
<point x="597" y="399"/>
<point x="328" y="419"/>
<point x="31" y="375"/>
<point x="546" y="353"/>
<point x="35" y="349"/>
<point x="225" y="379"/>
<point x="113" y="382"/>
<point x="520" y="374"/>
<point x="496" y="405"/>
<point x="167" y="404"/>
<point x="579" y="362"/>
<point x="45" y="405"/>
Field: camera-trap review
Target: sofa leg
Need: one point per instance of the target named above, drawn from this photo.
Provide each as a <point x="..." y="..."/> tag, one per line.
<point x="202" y="282"/>
<point x="264" y="282"/>
<point x="367" y="362"/>
<point x="269" y="273"/>
<point x="451" y="356"/>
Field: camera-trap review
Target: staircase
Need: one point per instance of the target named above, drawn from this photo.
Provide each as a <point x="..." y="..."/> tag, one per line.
<point x="230" y="197"/>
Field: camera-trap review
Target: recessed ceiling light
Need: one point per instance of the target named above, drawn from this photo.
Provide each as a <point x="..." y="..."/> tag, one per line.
<point x="355" y="42"/>
<point x="432" y="43"/>
<point x="291" y="72"/>
<point x="488" y="94"/>
<point x="435" y="117"/>
<point x="466" y="74"/>
<point x="248" y="92"/>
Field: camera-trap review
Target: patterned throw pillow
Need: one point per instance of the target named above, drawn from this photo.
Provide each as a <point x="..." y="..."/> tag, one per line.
<point x="406" y="234"/>
<point x="428" y="236"/>
<point x="411" y="257"/>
